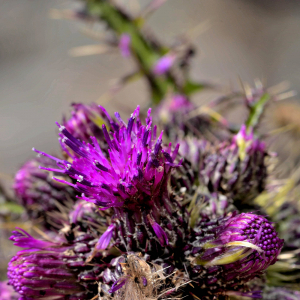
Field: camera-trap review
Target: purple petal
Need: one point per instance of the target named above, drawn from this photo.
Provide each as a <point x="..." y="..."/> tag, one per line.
<point x="164" y="64"/>
<point x="105" y="238"/>
<point x="160" y="233"/>
<point x="124" y="44"/>
<point x="118" y="284"/>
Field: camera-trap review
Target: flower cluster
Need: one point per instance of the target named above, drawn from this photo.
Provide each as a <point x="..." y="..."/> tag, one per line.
<point x="163" y="208"/>
<point x="133" y="193"/>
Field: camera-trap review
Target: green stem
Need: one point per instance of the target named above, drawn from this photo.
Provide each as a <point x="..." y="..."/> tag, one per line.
<point x="144" y="51"/>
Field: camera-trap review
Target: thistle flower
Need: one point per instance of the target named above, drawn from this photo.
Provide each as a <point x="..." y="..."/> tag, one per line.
<point x="237" y="170"/>
<point x="232" y="251"/>
<point x="38" y="193"/>
<point x="44" y="270"/>
<point x="134" y="166"/>
<point x="59" y="269"/>
<point x="133" y="180"/>
<point x="176" y="115"/>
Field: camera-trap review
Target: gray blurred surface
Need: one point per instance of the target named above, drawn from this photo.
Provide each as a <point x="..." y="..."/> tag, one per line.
<point x="38" y="80"/>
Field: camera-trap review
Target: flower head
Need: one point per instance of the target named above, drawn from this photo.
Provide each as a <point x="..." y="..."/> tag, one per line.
<point x="246" y="243"/>
<point x="38" y="192"/>
<point x="41" y="270"/>
<point x="237" y="169"/>
<point x="227" y="252"/>
<point x="136" y="165"/>
<point x="66" y="266"/>
<point x="172" y="108"/>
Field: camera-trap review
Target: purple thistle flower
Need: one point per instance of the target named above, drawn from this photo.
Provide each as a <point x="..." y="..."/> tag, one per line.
<point x="68" y="266"/>
<point x="124" y="45"/>
<point x="135" y="165"/>
<point x="38" y="193"/>
<point x="135" y="175"/>
<point x="41" y="270"/>
<point x="240" y="237"/>
<point x="164" y="64"/>
<point x="233" y="250"/>
<point x="237" y="169"/>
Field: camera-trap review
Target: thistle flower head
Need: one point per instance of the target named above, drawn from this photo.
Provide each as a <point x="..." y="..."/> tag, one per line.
<point x="228" y="252"/>
<point x="40" y="271"/>
<point x="58" y="269"/>
<point x="172" y="106"/>
<point x="137" y="164"/>
<point x="246" y="245"/>
<point x="237" y="169"/>
<point x="38" y="192"/>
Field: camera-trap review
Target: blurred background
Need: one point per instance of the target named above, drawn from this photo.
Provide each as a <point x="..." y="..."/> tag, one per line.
<point x="39" y="79"/>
